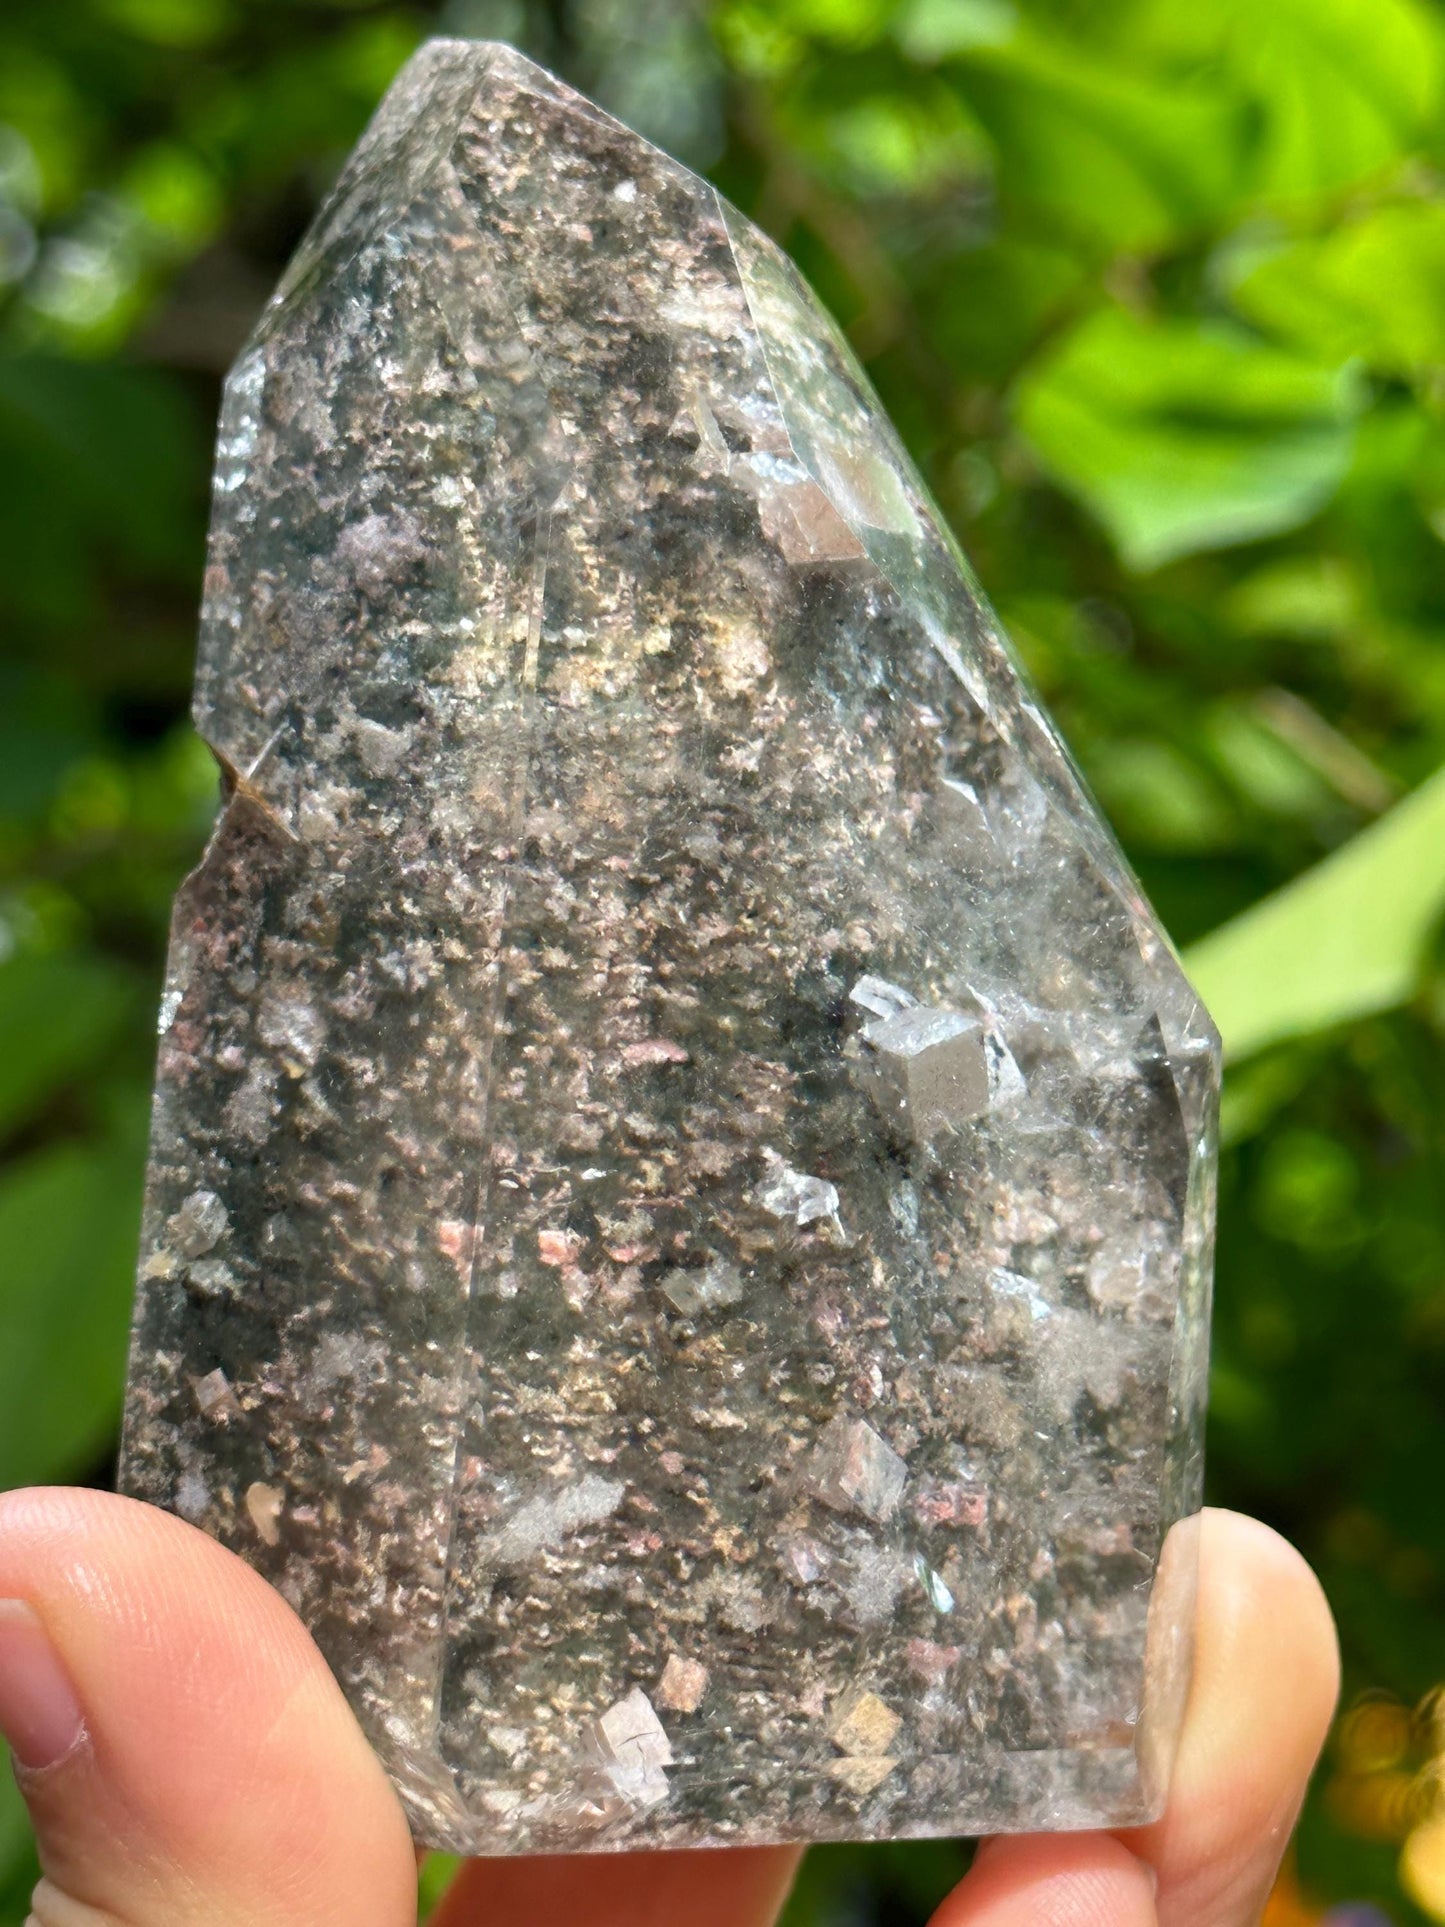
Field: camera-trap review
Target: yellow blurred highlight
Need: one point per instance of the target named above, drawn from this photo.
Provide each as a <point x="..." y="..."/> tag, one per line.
<point x="1376" y="1733"/>
<point x="1389" y="1787"/>
<point x="1383" y="1807"/>
<point x="1431" y="1718"/>
<point x="1422" y="1867"/>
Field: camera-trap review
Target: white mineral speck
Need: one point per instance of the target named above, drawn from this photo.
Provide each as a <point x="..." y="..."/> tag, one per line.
<point x="790" y="1194"/>
<point x="880" y="998"/>
<point x="1005" y="1080"/>
<point x="877" y="1576"/>
<point x="211" y="1278"/>
<point x="1011" y="1284"/>
<point x="548" y="1518"/>
<point x="509" y="1740"/>
<point x="294" y="1028"/>
<point x="804" y="1560"/>
<point x="346" y="1355"/>
<point x="382" y="750"/>
<point x="193" y="1496"/>
<point x="939" y="1596"/>
<point x="634" y="1747"/>
<point x="251" y="1107"/>
<point x="199" y="1225"/>
<point x="714" y="1287"/>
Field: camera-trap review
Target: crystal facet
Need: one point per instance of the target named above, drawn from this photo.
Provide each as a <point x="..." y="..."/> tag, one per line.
<point x="679" y="1216"/>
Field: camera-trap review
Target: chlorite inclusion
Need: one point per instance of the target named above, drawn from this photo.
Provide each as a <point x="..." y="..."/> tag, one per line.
<point x="680" y="1206"/>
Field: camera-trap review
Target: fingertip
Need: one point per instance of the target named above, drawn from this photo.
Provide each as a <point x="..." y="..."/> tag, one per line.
<point x="1052" y="1880"/>
<point x="1264" y="1687"/>
<point x="220" y="1758"/>
<point x="1264" y="1622"/>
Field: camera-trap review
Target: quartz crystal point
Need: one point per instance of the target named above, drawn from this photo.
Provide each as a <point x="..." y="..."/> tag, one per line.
<point x="679" y="1216"/>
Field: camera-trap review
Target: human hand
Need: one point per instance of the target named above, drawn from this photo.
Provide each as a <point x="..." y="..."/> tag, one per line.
<point x="187" y="1757"/>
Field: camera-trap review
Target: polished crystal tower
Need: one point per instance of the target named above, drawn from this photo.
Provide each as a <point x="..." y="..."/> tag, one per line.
<point x="680" y="1206"/>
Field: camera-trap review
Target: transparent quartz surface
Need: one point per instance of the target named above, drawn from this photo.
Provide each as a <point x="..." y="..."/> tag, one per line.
<point x="679" y="1218"/>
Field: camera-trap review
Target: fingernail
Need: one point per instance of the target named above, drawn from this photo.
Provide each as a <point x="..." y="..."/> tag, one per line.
<point x="39" y="1713"/>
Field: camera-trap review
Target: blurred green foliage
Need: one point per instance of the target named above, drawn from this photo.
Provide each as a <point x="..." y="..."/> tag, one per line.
<point x="1156" y="292"/>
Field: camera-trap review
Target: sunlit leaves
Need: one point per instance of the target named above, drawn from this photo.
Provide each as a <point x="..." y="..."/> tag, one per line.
<point x="1346" y="87"/>
<point x="1160" y="798"/>
<point x="755" y="42"/>
<point x="1182" y="436"/>
<point x="1347" y="939"/>
<point x="867" y="127"/>
<point x="910" y="143"/>
<point x="932" y="29"/>
<point x="1309" y="596"/>
<point x="1373" y="287"/>
<point x="1338" y="90"/>
<point x="1117" y="159"/>
<point x="176" y="196"/>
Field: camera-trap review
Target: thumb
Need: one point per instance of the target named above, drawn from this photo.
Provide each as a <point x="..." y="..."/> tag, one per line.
<point x="183" y="1750"/>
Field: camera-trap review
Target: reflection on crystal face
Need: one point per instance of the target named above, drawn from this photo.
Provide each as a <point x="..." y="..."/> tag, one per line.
<point x="679" y="1217"/>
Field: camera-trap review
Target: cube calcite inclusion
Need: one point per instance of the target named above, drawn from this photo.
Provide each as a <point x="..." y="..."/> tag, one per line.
<point x="680" y="1205"/>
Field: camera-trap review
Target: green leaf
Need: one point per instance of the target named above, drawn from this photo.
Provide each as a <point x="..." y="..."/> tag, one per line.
<point x="1346" y="940"/>
<point x="1161" y="800"/>
<point x="1311" y="596"/>
<point x="1345" y="87"/>
<point x="45" y="729"/>
<point x="1183" y="436"/>
<point x="1374" y="288"/>
<point x="57" y="1015"/>
<point x="1336" y="90"/>
<point x="67" y="1238"/>
<point x="437" y="1873"/>
<point x="14" y="1826"/>
<point x="985" y="305"/>
<point x="96" y="461"/>
<point x="932" y="29"/>
<point x="870" y="139"/>
<point x="1118" y="159"/>
<point x="19" y="1868"/>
